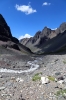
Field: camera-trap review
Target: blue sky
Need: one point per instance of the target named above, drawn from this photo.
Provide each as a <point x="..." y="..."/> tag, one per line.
<point x="29" y="16"/>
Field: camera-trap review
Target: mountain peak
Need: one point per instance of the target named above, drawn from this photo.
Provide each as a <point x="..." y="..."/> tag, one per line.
<point x="61" y="28"/>
<point x="46" y="37"/>
<point x="4" y="28"/>
<point x="46" y="27"/>
<point x="2" y="20"/>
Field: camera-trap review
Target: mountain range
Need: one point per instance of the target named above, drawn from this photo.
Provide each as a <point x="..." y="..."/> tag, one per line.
<point x="47" y="40"/>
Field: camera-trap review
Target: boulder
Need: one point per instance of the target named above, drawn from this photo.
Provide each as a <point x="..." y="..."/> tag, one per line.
<point x="60" y="82"/>
<point x="45" y="80"/>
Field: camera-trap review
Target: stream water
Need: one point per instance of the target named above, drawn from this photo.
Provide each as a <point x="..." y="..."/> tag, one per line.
<point x="33" y="67"/>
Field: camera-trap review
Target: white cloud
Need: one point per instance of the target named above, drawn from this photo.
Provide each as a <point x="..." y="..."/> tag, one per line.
<point x="27" y="9"/>
<point x="46" y="4"/>
<point x="25" y="36"/>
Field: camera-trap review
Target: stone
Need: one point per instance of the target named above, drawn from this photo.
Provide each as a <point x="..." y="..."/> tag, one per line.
<point x="64" y="95"/>
<point x="60" y="78"/>
<point x="19" y="79"/>
<point x="2" y="88"/>
<point x="58" y="73"/>
<point x="56" y="87"/>
<point x="44" y="80"/>
<point x="12" y="78"/>
<point x="65" y="80"/>
<point x="6" y="94"/>
<point x="60" y="81"/>
<point x="1" y="76"/>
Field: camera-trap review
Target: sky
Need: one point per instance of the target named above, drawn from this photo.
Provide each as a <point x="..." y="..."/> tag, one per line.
<point x="26" y="17"/>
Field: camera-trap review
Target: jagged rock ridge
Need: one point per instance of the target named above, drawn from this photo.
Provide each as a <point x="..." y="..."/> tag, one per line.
<point x="43" y="39"/>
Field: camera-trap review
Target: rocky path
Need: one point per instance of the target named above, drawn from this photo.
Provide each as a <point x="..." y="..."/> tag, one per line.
<point x="21" y="86"/>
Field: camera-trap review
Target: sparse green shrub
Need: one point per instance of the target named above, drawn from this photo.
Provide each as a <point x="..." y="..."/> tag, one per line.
<point x="64" y="61"/>
<point x="61" y="92"/>
<point x="51" y="78"/>
<point x="37" y="76"/>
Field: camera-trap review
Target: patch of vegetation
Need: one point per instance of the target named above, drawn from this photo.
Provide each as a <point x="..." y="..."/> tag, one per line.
<point x="37" y="76"/>
<point x="64" y="61"/>
<point x="39" y="73"/>
<point x="51" y="78"/>
<point x="61" y="92"/>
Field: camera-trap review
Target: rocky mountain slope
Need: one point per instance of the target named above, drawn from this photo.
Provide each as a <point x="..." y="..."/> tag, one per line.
<point x="8" y="41"/>
<point x="18" y="82"/>
<point x="47" y="40"/>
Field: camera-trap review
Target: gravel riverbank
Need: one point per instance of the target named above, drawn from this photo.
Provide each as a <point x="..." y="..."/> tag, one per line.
<point x="20" y="86"/>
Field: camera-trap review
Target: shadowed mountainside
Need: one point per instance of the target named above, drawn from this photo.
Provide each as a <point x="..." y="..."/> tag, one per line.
<point x="8" y="41"/>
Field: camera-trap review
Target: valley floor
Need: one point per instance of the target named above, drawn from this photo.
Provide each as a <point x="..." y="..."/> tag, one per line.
<point x="22" y="86"/>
